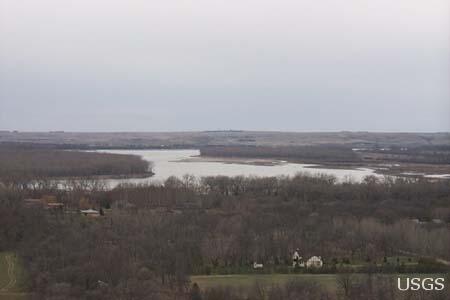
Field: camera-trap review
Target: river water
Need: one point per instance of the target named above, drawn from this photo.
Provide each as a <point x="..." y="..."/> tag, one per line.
<point x="168" y="163"/>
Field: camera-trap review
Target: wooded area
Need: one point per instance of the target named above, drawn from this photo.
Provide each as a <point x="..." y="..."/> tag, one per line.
<point x="151" y="238"/>
<point x="28" y="163"/>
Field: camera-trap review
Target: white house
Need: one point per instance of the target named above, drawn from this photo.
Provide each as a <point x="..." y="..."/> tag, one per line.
<point x="314" y="262"/>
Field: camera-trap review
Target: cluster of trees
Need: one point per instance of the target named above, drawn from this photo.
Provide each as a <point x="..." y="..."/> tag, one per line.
<point x="264" y="219"/>
<point x="152" y="238"/>
<point x="119" y="256"/>
<point x="24" y="163"/>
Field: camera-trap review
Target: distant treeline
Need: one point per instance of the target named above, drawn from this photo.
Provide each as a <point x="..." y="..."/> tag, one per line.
<point x="435" y="154"/>
<point x="109" y="146"/>
<point x="322" y="153"/>
<point x="28" y="163"/>
<point x="330" y="153"/>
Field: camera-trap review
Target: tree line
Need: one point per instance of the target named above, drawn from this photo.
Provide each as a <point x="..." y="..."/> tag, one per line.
<point x="331" y="153"/>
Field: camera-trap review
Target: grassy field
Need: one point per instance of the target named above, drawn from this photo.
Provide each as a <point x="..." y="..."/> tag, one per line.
<point x="13" y="296"/>
<point x="10" y="277"/>
<point x="243" y="282"/>
<point x="247" y="281"/>
<point x="4" y="278"/>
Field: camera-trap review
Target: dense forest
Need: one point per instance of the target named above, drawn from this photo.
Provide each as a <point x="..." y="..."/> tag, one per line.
<point x="26" y="163"/>
<point x="150" y="239"/>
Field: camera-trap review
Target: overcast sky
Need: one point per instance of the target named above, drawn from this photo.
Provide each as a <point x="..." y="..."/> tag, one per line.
<point x="166" y="65"/>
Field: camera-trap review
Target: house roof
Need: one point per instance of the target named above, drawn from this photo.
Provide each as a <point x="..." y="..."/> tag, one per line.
<point x="315" y="258"/>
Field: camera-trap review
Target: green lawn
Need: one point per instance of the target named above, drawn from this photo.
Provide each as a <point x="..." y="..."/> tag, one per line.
<point x="328" y="281"/>
<point x="4" y="279"/>
<point x="247" y="281"/>
<point x="10" y="277"/>
<point x="13" y="296"/>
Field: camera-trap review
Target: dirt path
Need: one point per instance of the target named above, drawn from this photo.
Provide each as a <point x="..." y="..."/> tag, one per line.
<point x="12" y="278"/>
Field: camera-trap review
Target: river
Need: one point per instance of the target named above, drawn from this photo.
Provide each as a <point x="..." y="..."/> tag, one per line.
<point x="177" y="163"/>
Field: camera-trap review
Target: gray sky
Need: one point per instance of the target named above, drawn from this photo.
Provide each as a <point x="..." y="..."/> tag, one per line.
<point x="163" y="65"/>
